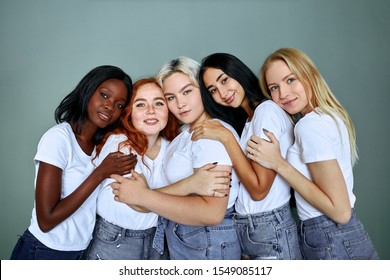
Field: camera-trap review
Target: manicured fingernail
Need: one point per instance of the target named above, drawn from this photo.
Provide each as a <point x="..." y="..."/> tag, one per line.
<point x="230" y="186"/>
<point x="215" y="162"/>
<point x="265" y="130"/>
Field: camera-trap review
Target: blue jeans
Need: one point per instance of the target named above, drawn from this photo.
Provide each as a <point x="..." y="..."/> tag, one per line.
<point x="204" y="242"/>
<point x="269" y="235"/>
<point x="323" y="239"/>
<point x="30" y="248"/>
<point x="112" y="242"/>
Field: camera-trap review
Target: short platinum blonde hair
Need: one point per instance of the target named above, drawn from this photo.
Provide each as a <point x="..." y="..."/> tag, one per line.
<point x="185" y="65"/>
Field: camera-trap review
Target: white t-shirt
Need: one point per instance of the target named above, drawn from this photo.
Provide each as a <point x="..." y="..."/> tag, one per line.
<point x="119" y="213"/>
<point x="183" y="155"/>
<point x="317" y="138"/>
<point x="270" y="116"/>
<point x="59" y="147"/>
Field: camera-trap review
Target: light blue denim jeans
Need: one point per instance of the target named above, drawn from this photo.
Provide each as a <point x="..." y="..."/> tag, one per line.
<point x="269" y="235"/>
<point x="204" y="242"/>
<point x="112" y="242"/>
<point x="323" y="239"/>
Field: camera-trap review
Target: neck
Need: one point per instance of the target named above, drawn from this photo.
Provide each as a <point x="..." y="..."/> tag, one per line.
<point x="204" y="116"/>
<point x="154" y="143"/>
<point x="245" y="105"/>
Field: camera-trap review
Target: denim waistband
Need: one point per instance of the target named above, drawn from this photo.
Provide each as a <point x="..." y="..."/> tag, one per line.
<point x="324" y="219"/>
<point x="158" y="241"/>
<point x="277" y="214"/>
<point x="101" y="222"/>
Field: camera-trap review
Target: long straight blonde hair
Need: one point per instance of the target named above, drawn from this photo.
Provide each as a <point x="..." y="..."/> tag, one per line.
<point x="323" y="98"/>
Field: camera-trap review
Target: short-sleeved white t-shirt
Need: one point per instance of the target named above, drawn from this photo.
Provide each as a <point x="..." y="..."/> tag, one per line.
<point x="183" y="155"/>
<point x="318" y="138"/>
<point x="119" y="213"/>
<point x="270" y="116"/>
<point x="59" y="147"/>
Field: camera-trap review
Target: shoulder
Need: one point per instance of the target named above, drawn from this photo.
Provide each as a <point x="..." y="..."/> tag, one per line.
<point x="228" y="126"/>
<point x="269" y="107"/>
<point x="60" y="131"/>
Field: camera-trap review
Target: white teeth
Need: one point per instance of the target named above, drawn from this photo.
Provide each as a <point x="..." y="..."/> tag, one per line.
<point x="150" y="121"/>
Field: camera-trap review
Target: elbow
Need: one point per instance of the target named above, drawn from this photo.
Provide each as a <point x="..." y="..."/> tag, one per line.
<point x="44" y="227"/>
<point x="214" y="220"/>
<point x="44" y="224"/>
<point x="344" y="217"/>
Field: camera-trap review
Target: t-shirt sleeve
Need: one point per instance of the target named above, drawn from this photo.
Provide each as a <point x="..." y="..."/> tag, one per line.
<point x="54" y="148"/>
<point x="267" y="117"/>
<point x="315" y="138"/>
<point x="209" y="151"/>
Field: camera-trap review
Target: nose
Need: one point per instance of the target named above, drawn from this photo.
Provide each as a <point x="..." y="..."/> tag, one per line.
<point x="150" y="109"/>
<point x="223" y="93"/>
<point x="180" y="103"/>
<point x="283" y="91"/>
<point x="109" y="105"/>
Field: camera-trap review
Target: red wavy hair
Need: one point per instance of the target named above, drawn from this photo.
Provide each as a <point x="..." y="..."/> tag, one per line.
<point x="137" y="140"/>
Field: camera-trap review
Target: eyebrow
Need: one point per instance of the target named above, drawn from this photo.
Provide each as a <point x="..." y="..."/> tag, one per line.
<point x="219" y="77"/>
<point x="181" y="90"/>
<point x="144" y="99"/>
<point x="283" y="79"/>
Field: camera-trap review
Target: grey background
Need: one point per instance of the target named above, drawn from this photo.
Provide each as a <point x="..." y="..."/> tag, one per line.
<point x="47" y="46"/>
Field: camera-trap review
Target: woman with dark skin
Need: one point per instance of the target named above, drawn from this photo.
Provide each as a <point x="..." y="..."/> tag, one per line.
<point x="65" y="198"/>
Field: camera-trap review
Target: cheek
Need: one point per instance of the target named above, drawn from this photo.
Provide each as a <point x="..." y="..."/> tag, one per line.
<point x="136" y="121"/>
<point x="217" y="98"/>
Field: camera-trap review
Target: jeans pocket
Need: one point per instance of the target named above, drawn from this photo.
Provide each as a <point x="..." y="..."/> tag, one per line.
<point x="361" y="248"/>
<point x="314" y="244"/>
<point x="107" y="236"/>
<point x="262" y="242"/>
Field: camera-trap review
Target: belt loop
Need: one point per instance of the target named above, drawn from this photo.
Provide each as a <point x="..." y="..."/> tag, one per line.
<point x="277" y="215"/>
<point x="250" y="222"/>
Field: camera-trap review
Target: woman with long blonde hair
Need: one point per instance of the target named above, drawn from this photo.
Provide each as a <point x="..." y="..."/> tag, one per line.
<point x="319" y="164"/>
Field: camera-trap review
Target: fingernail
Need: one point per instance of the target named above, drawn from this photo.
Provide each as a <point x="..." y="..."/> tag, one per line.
<point x="265" y="130"/>
<point x="226" y="195"/>
<point x="230" y="186"/>
<point x="215" y="162"/>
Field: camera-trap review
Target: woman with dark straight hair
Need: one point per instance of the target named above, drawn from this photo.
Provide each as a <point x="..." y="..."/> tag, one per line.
<point x="265" y="225"/>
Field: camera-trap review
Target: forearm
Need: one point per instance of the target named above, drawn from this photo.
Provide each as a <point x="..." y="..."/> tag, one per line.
<point x="188" y="210"/>
<point x="179" y="188"/>
<point x="65" y="207"/>
<point x="256" y="179"/>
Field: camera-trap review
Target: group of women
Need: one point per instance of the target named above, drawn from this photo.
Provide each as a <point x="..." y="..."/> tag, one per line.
<point x="218" y="152"/>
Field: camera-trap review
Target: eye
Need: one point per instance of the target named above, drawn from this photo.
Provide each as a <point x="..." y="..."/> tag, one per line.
<point x="160" y="103"/>
<point x="290" y="80"/>
<point x="224" y="80"/>
<point x="273" y="88"/>
<point x="188" y="91"/>
<point x="169" y="97"/>
<point x="139" y="105"/>
<point x="120" y="106"/>
<point x="212" y="90"/>
<point x="102" y="94"/>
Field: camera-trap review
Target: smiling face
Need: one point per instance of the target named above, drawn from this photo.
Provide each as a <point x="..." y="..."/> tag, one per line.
<point x="183" y="98"/>
<point x="286" y="90"/>
<point x="107" y="103"/>
<point x="225" y="90"/>
<point x="150" y="111"/>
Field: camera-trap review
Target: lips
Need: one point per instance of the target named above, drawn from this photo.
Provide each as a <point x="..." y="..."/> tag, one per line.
<point x="185" y="113"/>
<point x="104" y="116"/>
<point x="230" y="99"/>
